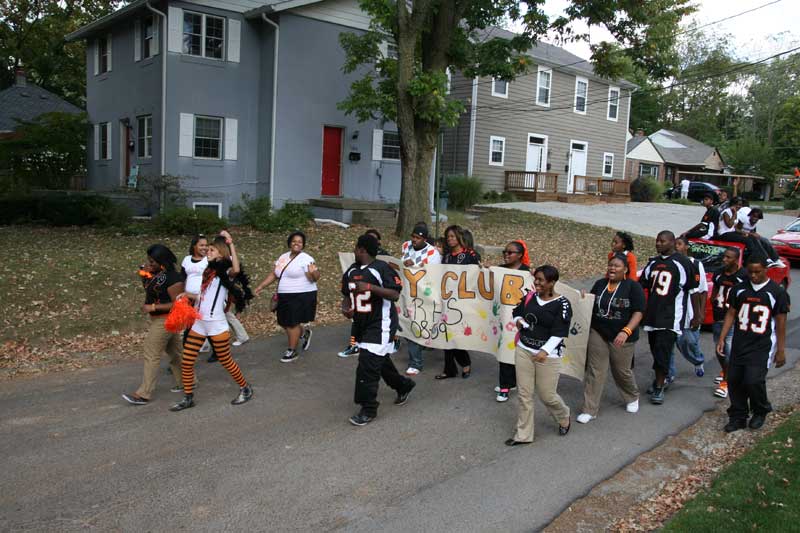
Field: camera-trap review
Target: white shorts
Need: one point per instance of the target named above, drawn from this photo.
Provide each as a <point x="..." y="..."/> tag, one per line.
<point x="210" y="328"/>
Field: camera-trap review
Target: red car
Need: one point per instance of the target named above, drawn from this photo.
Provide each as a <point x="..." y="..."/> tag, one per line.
<point x="787" y="241"/>
<point x="710" y="254"/>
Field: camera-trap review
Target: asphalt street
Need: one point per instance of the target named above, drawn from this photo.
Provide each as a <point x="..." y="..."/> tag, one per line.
<point x="76" y="457"/>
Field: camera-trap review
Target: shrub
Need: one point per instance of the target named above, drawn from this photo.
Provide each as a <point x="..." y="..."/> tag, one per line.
<point x="492" y="197"/>
<point x="463" y="191"/>
<point x="186" y="221"/>
<point x="646" y="190"/>
<point x="62" y="210"/>
<point x="790" y="203"/>
<point x="258" y="214"/>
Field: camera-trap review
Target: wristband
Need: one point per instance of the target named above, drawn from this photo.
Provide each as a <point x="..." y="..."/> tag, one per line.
<point x="627" y="331"/>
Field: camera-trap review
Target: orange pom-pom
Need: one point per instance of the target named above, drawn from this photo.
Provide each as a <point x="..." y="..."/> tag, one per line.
<point x="181" y="316"/>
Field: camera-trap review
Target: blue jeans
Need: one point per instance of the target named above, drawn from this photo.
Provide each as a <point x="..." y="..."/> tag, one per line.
<point x="716" y="329"/>
<point x="689" y="346"/>
<point x="414" y="354"/>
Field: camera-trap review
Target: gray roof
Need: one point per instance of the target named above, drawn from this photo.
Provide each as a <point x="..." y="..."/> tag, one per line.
<point x="635" y="141"/>
<point x="554" y="56"/>
<point x="28" y="102"/>
<point x="679" y="149"/>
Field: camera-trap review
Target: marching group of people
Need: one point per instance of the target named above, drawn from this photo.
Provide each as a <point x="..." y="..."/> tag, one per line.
<point x="667" y="301"/>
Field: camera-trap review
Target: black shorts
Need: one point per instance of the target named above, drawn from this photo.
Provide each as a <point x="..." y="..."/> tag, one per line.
<point x="296" y="308"/>
<point x="662" y="342"/>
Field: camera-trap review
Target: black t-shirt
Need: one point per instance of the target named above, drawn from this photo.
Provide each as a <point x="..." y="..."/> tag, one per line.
<point x="374" y="319"/>
<point x="723" y="283"/>
<point x="668" y="281"/>
<point x="613" y="309"/>
<point x="754" y="339"/>
<point x="155" y="288"/>
<point x="549" y="320"/>
<point x="466" y="256"/>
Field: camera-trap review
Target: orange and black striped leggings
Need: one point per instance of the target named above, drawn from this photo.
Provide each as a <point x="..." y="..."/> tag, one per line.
<point x="222" y="346"/>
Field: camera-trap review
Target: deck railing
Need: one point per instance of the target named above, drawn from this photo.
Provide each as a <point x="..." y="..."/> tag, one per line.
<point x="521" y="181"/>
<point x="601" y="186"/>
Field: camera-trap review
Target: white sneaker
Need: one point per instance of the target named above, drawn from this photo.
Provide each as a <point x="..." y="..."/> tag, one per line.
<point x="205" y="348"/>
<point x="236" y="343"/>
<point x="585" y="418"/>
<point x="411" y="371"/>
<point x="633" y="407"/>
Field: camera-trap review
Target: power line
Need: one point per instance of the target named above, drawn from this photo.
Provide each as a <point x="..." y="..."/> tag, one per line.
<point x="670" y="36"/>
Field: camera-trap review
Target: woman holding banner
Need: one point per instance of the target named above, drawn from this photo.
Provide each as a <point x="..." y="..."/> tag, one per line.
<point x="543" y="319"/>
<point x="516" y="257"/>
<point x="457" y="253"/>
<point x="618" y="309"/>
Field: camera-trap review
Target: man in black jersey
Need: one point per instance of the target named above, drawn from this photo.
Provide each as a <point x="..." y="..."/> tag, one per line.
<point x="668" y="278"/>
<point x="370" y="287"/>
<point x="724" y="280"/>
<point x="707" y="227"/>
<point x="757" y="314"/>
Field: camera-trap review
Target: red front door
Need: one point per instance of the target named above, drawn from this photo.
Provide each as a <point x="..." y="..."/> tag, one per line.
<point x="331" y="161"/>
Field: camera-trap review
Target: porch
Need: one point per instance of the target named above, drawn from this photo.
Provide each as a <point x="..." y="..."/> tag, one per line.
<point x="549" y="187"/>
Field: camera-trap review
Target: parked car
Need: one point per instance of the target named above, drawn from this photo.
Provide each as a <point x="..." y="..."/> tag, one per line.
<point x="787" y="241"/>
<point x="697" y="190"/>
<point x="710" y="254"/>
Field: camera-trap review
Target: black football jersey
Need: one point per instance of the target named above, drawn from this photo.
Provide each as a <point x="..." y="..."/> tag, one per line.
<point x="723" y="283"/>
<point x="549" y="320"/>
<point x="754" y="336"/>
<point x="374" y="318"/>
<point x="668" y="281"/>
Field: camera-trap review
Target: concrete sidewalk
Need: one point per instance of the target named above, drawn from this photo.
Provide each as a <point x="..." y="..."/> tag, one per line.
<point x="76" y="457"/>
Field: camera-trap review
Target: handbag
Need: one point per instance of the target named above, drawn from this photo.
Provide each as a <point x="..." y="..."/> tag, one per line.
<point x="273" y="304"/>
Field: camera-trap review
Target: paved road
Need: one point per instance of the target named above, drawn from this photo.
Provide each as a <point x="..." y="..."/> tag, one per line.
<point x="76" y="457"/>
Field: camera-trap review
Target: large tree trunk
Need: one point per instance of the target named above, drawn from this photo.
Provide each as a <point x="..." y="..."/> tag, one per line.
<point x="415" y="187"/>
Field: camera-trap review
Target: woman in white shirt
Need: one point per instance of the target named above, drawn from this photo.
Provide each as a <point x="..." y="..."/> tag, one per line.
<point x="297" y="277"/>
<point x="211" y="300"/>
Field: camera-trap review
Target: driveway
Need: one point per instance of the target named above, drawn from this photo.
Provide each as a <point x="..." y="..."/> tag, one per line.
<point x="77" y="458"/>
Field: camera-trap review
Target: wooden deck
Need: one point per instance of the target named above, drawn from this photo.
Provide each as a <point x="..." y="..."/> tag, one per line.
<point x="544" y="187"/>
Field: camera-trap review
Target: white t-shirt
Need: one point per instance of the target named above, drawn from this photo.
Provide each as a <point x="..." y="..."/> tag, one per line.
<point x="211" y="303"/>
<point x="685" y="185"/>
<point x="743" y="216"/>
<point x="428" y="255"/>
<point x="294" y="277"/>
<point x="194" y="273"/>
<point x="723" y="227"/>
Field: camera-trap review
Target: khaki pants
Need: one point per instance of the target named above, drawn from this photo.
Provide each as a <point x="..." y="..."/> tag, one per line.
<point x="599" y="355"/>
<point x="157" y="341"/>
<point x="238" y="329"/>
<point x="543" y="379"/>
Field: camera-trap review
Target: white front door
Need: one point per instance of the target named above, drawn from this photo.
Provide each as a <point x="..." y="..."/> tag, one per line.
<point x="577" y="163"/>
<point x="536" y="158"/>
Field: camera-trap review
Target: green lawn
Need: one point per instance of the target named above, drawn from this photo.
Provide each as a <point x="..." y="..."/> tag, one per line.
<point x="760" y="491"/>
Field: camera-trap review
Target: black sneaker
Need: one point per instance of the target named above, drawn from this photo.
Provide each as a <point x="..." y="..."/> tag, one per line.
<point x="135" y="400"/>
<point x="186" y="403"/>
<point x="347" y="352"/>
<point x="361" y="419"/>
<point x="245" y="395"/>
<point x="289" y="356"/>
<point x="306" y="338"/>
<point x="657" y="398"/>
<point x="735" y="425"/>
<point x="757" y="421"/>
<point x="403" y="398"/>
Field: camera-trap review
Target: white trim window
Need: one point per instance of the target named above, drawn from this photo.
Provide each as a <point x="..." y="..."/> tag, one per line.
<point x="581" y="95"/>
<point x="608" y="165"/>
<point x="497" y="151"/>
<point x="102" y="141"/>
<point x="214" y="207"/>
<point x="203" y="35"/>
<point x="207" y="137"/>
<point x="390" y="146"/>
<point x="499" y="88"/>
<point x="104" y="54"/>
<point x="544" y="82"/>
<point x="144" y="136"/>
<point x="648" y="170"/>
<point x="148" y="37"/>
<point x="613" y="104"/>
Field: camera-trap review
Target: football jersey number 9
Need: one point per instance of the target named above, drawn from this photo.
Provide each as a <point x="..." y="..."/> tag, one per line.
<point x="661" y="282"/>
<point x="361" y="302"/>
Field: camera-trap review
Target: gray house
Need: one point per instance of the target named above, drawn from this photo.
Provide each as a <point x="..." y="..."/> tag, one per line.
<point x="238" y="96"/>
<point x="557" y="130"/>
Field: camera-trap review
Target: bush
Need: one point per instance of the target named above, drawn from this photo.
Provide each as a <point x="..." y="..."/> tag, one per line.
<point x="646" y="190"/>
<point x="790" y="203"/>
<point x="63" y="210"/>
<point x="493" y="196"/>
<point x="258" y="214"/>
<point x="186" y="221"/>
<point x="463" y="191"/>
